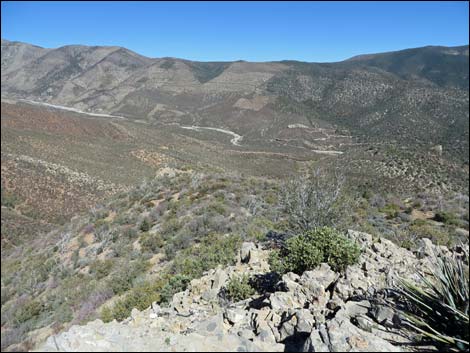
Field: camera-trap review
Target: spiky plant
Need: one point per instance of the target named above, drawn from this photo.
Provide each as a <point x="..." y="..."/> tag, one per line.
<point x="438" y="308"/>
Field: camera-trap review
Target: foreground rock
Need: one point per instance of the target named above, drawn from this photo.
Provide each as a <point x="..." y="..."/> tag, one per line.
<point x="319" y="311"/>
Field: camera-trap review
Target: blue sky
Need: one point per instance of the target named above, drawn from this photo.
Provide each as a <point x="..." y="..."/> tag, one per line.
<point x="252" y="31"/>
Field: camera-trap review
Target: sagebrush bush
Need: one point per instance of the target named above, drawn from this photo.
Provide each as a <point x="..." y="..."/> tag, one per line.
<point x="239" y="288"/>
<point x="308" y="250"/>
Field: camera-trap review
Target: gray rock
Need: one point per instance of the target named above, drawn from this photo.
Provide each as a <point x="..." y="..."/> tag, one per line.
<point x="235" y="315"/>
<point x="321" y="276"/>
<point x="220" y="279"/>
<point x="384" y="315"/>
<point x="246" y="250"/>
<point x="314" y="343"/>
<point x="305" y="321"/>
<point x="364" y="323"/>
<point x="211" y="326"/>
<point x="279" y="301"/>
<point x="345" y="337"/>
<point x="247" y="334"/>
<point x="425" y="248"/>
<point x="181" y="303"/>
<point x="287" y="328"/>
<point x="352" y="309"/>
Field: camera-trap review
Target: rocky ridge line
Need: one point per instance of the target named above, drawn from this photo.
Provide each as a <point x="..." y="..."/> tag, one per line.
<point x="319" y="311"/>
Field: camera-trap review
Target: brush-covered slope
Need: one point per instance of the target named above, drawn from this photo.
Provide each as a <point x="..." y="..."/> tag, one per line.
<point x="416" y="96"/>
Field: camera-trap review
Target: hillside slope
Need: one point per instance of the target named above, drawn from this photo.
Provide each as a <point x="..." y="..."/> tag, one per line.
<point x="416" y="96"/>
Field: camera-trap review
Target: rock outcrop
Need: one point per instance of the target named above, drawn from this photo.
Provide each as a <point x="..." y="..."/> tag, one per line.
<point x="319" y="311"/>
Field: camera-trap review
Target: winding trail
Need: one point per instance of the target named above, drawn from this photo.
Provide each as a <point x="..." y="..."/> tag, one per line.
<point x="72" y="109"/>
<point x="234" y="141"/>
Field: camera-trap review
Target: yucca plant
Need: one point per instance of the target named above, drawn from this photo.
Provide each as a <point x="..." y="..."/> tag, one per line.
<point x="438" y="307"/>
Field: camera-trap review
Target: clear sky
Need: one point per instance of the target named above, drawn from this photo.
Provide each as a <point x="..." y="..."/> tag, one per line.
<point x="252" y="31"/>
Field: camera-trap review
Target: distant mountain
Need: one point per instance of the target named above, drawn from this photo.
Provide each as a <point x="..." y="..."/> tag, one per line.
<point x="415" y="96"/>
<point x="445" y="66"/>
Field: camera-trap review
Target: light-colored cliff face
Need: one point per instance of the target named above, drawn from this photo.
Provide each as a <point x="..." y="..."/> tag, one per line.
<point x="318" y="311"/>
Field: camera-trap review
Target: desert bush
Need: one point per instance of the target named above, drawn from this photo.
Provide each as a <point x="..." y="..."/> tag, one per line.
<point x="121" y="281"/>
<point x="145" y="225"/>
<point x="177" y="283"/>
<point x="130" y="232"/>
<point x="125" y="218"/>
<point x="89" y="228"/>
<point x="151" y="242"/>
<point x="314" y="200"/>
<point x="101" y="269"/>
<point x="258" y="227"/>
<point x="422" y="229"/>
<point x="306" y="251"/>
<point x="239" y="288"/>
<point x="377" y="201"/>
<point x="438" y="307"/>
<point x="448" y="218"/>
<point x="212" y="251"/>
<point x="391" y="210"/>
<point x="216" y="207"/>
<point x="140" y="297"/>
<point x="171" y="225"/>
<point x="107" y="314"/>
<point x="8" y="199"/>
<point x="28" y="311"/>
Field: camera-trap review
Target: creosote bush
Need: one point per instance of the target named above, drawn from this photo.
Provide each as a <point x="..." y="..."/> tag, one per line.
<point x="308" y="250"/>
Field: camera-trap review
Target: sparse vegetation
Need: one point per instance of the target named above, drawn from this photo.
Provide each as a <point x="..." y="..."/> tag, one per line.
<point x="62" y="264"/>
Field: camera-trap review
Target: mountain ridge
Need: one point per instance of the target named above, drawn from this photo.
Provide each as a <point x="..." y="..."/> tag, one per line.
<point x="355" y="57"/>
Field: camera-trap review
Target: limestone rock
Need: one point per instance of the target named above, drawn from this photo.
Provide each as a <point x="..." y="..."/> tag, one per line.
<point x="246" y="251"/>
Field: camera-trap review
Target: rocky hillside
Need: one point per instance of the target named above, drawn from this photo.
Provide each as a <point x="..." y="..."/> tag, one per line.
<point x="318" y="311"/>
<point x="416" y="96"/>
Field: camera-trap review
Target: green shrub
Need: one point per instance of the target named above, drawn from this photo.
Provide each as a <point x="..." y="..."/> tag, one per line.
<point x="176" y="284"/>
<point x="151" y="242"/>
<point x="140" y="297"/>
<point x="438" y="308"/>
<point x="258" y="228"/>
<point x="307" y="250"/>
<point x="100" y="222"/>
<point x="216" y="207"/>
<point x="8" y="199"/>
<point x="28" y="311"/>
<point x="448" y="218"/>
<point x="107" y="314"/>
<point x="391" y="210"/>
<point x="239" y="288"/>
<point x="212" y="251"/>
<point x="101" y="268"/>
<point x="367" y="194"/>
<point x="145" y="225"/>
<point x="426" y="230"/>
<point x="121" y="282"/>
<point x="129" y="232"/>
